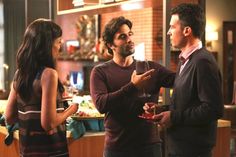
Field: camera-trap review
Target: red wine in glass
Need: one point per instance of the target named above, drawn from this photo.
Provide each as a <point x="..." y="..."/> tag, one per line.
<point x="142" y="67"/>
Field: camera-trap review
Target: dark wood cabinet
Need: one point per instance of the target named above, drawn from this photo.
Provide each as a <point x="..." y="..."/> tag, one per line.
<point x="229" y="60"/>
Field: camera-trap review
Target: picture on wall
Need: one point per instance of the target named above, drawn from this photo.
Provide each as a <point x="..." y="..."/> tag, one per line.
<point x="84" y="47"/>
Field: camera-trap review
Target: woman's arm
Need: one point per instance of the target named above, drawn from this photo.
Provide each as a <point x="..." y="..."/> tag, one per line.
<point x="49" y="116"/>
<point x="11" y="113"/>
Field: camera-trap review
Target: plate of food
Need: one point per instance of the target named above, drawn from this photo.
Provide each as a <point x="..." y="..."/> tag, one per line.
<point x="87" y="115"/>
<point x="86" y="118"/>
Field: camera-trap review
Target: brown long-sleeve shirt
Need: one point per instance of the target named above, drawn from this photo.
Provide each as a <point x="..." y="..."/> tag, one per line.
<point x="114" y="94"/>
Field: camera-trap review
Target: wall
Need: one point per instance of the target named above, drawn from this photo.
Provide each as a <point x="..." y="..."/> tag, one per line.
<point x="216" y="14"/>
<point x="14" y="26"/>
<point x="2" y="80"/>
<point x="15" y="21"/>
<point x="65" y="67"/>
<point x="143" y="28"/>
<point x="147" y="26"/>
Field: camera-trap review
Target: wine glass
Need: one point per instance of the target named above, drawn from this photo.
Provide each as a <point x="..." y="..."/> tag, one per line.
<point x="151" y="109"/>
<point x="141" y="67"/>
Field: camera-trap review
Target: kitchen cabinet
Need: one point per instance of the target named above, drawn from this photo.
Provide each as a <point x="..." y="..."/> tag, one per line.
<point x="229" y="60"/>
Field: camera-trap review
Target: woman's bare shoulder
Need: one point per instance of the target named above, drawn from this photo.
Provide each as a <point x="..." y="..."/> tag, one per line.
<point x="49" y="74"/>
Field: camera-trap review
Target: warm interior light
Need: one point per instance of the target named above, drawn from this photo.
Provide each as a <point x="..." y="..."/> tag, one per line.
<point x="129" y="6"/>
<point x="212" y="36"/>
<point x="139" y="53"/>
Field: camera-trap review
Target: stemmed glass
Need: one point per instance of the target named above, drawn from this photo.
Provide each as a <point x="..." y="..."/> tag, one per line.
<point x="141" y="67"/>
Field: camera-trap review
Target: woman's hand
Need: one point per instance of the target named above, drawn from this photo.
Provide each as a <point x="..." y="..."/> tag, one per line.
<point x="73" y="107"/>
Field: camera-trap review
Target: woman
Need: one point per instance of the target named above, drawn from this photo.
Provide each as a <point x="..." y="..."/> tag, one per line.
<point x="34" y="100"/>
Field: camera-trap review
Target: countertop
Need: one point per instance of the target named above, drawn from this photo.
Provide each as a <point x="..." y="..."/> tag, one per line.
<point x="3" y="130"/>
<point x="92" y="143"/>
<point x="223" y="123"/>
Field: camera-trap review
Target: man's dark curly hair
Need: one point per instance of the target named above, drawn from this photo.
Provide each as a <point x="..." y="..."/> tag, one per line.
<point x="191" y="15"/>
<point x="111" y="28"/>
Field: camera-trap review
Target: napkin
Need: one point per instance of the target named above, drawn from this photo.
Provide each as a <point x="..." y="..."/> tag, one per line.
<point x="10" y="129"/>
<point x="76" y="128"/>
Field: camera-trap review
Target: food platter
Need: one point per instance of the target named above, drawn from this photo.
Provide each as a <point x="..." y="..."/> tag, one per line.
<point x="86" y="118"/>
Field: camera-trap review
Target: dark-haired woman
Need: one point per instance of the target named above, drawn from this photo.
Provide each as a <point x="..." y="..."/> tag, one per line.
<point x="36" y="93"/>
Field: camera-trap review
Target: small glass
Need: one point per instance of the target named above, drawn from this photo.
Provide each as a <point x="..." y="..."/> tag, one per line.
<point x="150" y="112"/>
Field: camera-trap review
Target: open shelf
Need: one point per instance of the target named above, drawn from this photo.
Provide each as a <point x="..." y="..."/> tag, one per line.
<point x="66" y="6"/>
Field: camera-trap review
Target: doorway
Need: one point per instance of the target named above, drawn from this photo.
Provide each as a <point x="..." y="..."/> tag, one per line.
<point x="229" y="59"/>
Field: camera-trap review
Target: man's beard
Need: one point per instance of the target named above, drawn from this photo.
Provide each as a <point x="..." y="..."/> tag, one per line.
<point x="124" y="51"/>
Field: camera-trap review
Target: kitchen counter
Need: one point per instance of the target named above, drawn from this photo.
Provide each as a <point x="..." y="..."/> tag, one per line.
<point x="222" y="148"/>
<point x="91" y="144"/>
<point x="223" y="123"/>
<point x="3" y="104"/>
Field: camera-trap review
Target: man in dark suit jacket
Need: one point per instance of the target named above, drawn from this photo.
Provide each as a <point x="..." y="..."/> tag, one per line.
<point x="197" y="98"/>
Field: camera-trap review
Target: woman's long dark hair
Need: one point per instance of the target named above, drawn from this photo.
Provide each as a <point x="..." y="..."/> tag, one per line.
<point x="35" y="52"/>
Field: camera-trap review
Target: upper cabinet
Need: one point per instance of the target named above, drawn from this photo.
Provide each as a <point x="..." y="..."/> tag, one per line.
<point x="97" y="7"/>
